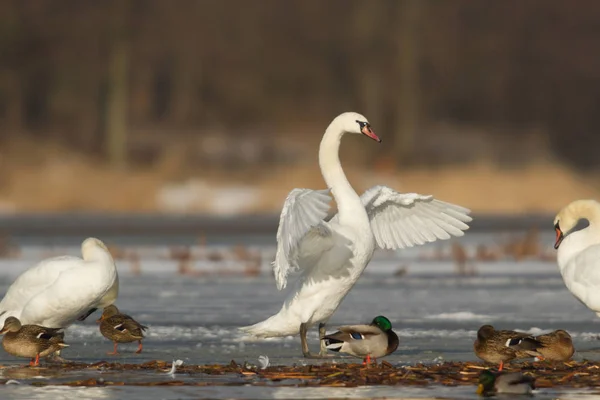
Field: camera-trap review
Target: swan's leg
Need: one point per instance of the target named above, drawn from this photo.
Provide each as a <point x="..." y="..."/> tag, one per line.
<point x="115" y="350"/>
<point x="139" y="350"/>
<point x="322" y="333"/>
<point x="303" y="330"/>
<point x="305" y="351"/>
<point x="87" y="314"/>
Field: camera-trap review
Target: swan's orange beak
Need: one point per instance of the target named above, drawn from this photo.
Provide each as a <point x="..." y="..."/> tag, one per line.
<point x="367" y="131"/>
<point x="559" y="236"/>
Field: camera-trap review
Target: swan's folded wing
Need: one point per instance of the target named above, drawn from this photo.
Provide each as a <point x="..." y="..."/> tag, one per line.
<point x="34" y="281"/>
<point x="302" y="233"/>
<point x="71" y="295"/>
<point x="400" y="220"/>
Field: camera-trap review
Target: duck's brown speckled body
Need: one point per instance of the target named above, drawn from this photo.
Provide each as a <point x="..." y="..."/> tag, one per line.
<point x="31" y="341"/>
<point x="120" y="328"/>
<point x="556" y="346"/>
<point x="500" y="346"/>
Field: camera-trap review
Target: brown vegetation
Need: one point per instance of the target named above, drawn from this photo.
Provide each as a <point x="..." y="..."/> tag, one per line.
<point x="556" y="375"/>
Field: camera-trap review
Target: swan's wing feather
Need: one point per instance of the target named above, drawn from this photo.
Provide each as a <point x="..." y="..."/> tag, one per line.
<point x="72" y="294"/>
<point x="34" y="281"/>
<point x="400" y="220"/>
<point x="302" y="233"/>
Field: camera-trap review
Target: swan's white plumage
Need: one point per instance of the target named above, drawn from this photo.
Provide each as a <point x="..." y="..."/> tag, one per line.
<point x="301" y="222"/>
<point x="400" y="220"/>
<point x="57" y="291"/>
<point x="33" y="281"/>
<point x="331" y="255"/>
<point x="578" y="255"/>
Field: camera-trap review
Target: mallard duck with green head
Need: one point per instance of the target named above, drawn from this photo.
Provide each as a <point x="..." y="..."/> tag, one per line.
<point x="500" y="346"/>
<point x="502" y="382"/>
<point x="365" y="341"/>
<point x="556" y="346"/>
<point x="31" y="341"/>
<point x="120" y="328"/>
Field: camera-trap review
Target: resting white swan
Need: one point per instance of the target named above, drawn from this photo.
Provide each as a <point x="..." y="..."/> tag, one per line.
<point x="60" y="290"/>
<point x="332" y="255"/>
<point x="578" y="253"/>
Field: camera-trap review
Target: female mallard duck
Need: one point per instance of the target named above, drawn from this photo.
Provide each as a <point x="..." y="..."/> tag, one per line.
<point x="120" y="328"/>
<point x="556" y="346"/>
<point x="511" y="383"/>
<point x="31" y="341"/>
<point x="499" y="346"/>
<point x="365" y="341"/>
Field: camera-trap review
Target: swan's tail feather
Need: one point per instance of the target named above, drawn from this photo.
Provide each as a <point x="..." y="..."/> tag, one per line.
<point x="275" y="326"/>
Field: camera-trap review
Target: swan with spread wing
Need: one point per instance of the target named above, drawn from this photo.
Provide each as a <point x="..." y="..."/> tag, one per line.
<point x="331" y="255"/>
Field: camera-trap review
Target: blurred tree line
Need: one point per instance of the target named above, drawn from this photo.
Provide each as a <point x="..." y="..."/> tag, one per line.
<point x="82" y="72"/>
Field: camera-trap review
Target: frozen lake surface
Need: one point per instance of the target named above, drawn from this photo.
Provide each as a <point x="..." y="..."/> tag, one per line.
<point x="435" y="312"/>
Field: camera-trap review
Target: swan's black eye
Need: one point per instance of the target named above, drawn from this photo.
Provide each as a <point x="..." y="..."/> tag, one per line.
<point x="362" y="124"/>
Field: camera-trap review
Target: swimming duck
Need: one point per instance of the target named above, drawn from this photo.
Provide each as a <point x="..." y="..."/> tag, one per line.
<point x="502" y="382"/>
<point x="31" y="341"/>
<point x="556" y="346"/>
<point x="120" y="328"/>
<point x="499" y="346"/>
<point x="375" y="340"/>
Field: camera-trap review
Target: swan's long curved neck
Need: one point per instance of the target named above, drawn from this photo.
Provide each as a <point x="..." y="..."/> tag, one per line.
<point x="590" y="211"/>
<point x="349" y="205"/>
<point x="577" y="241"/>
<point x="99" y="256"/>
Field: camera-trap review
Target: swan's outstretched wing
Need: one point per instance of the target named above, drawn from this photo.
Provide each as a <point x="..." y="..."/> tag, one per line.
<point x="400" y="220"/>
<point x="302" y="233"/>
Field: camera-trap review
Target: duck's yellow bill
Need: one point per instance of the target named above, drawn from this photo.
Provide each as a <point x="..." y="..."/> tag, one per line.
<point x="480" y="389"/>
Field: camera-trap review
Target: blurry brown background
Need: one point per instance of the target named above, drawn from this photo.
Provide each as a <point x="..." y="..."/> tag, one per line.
<point x="218" y="106"/>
